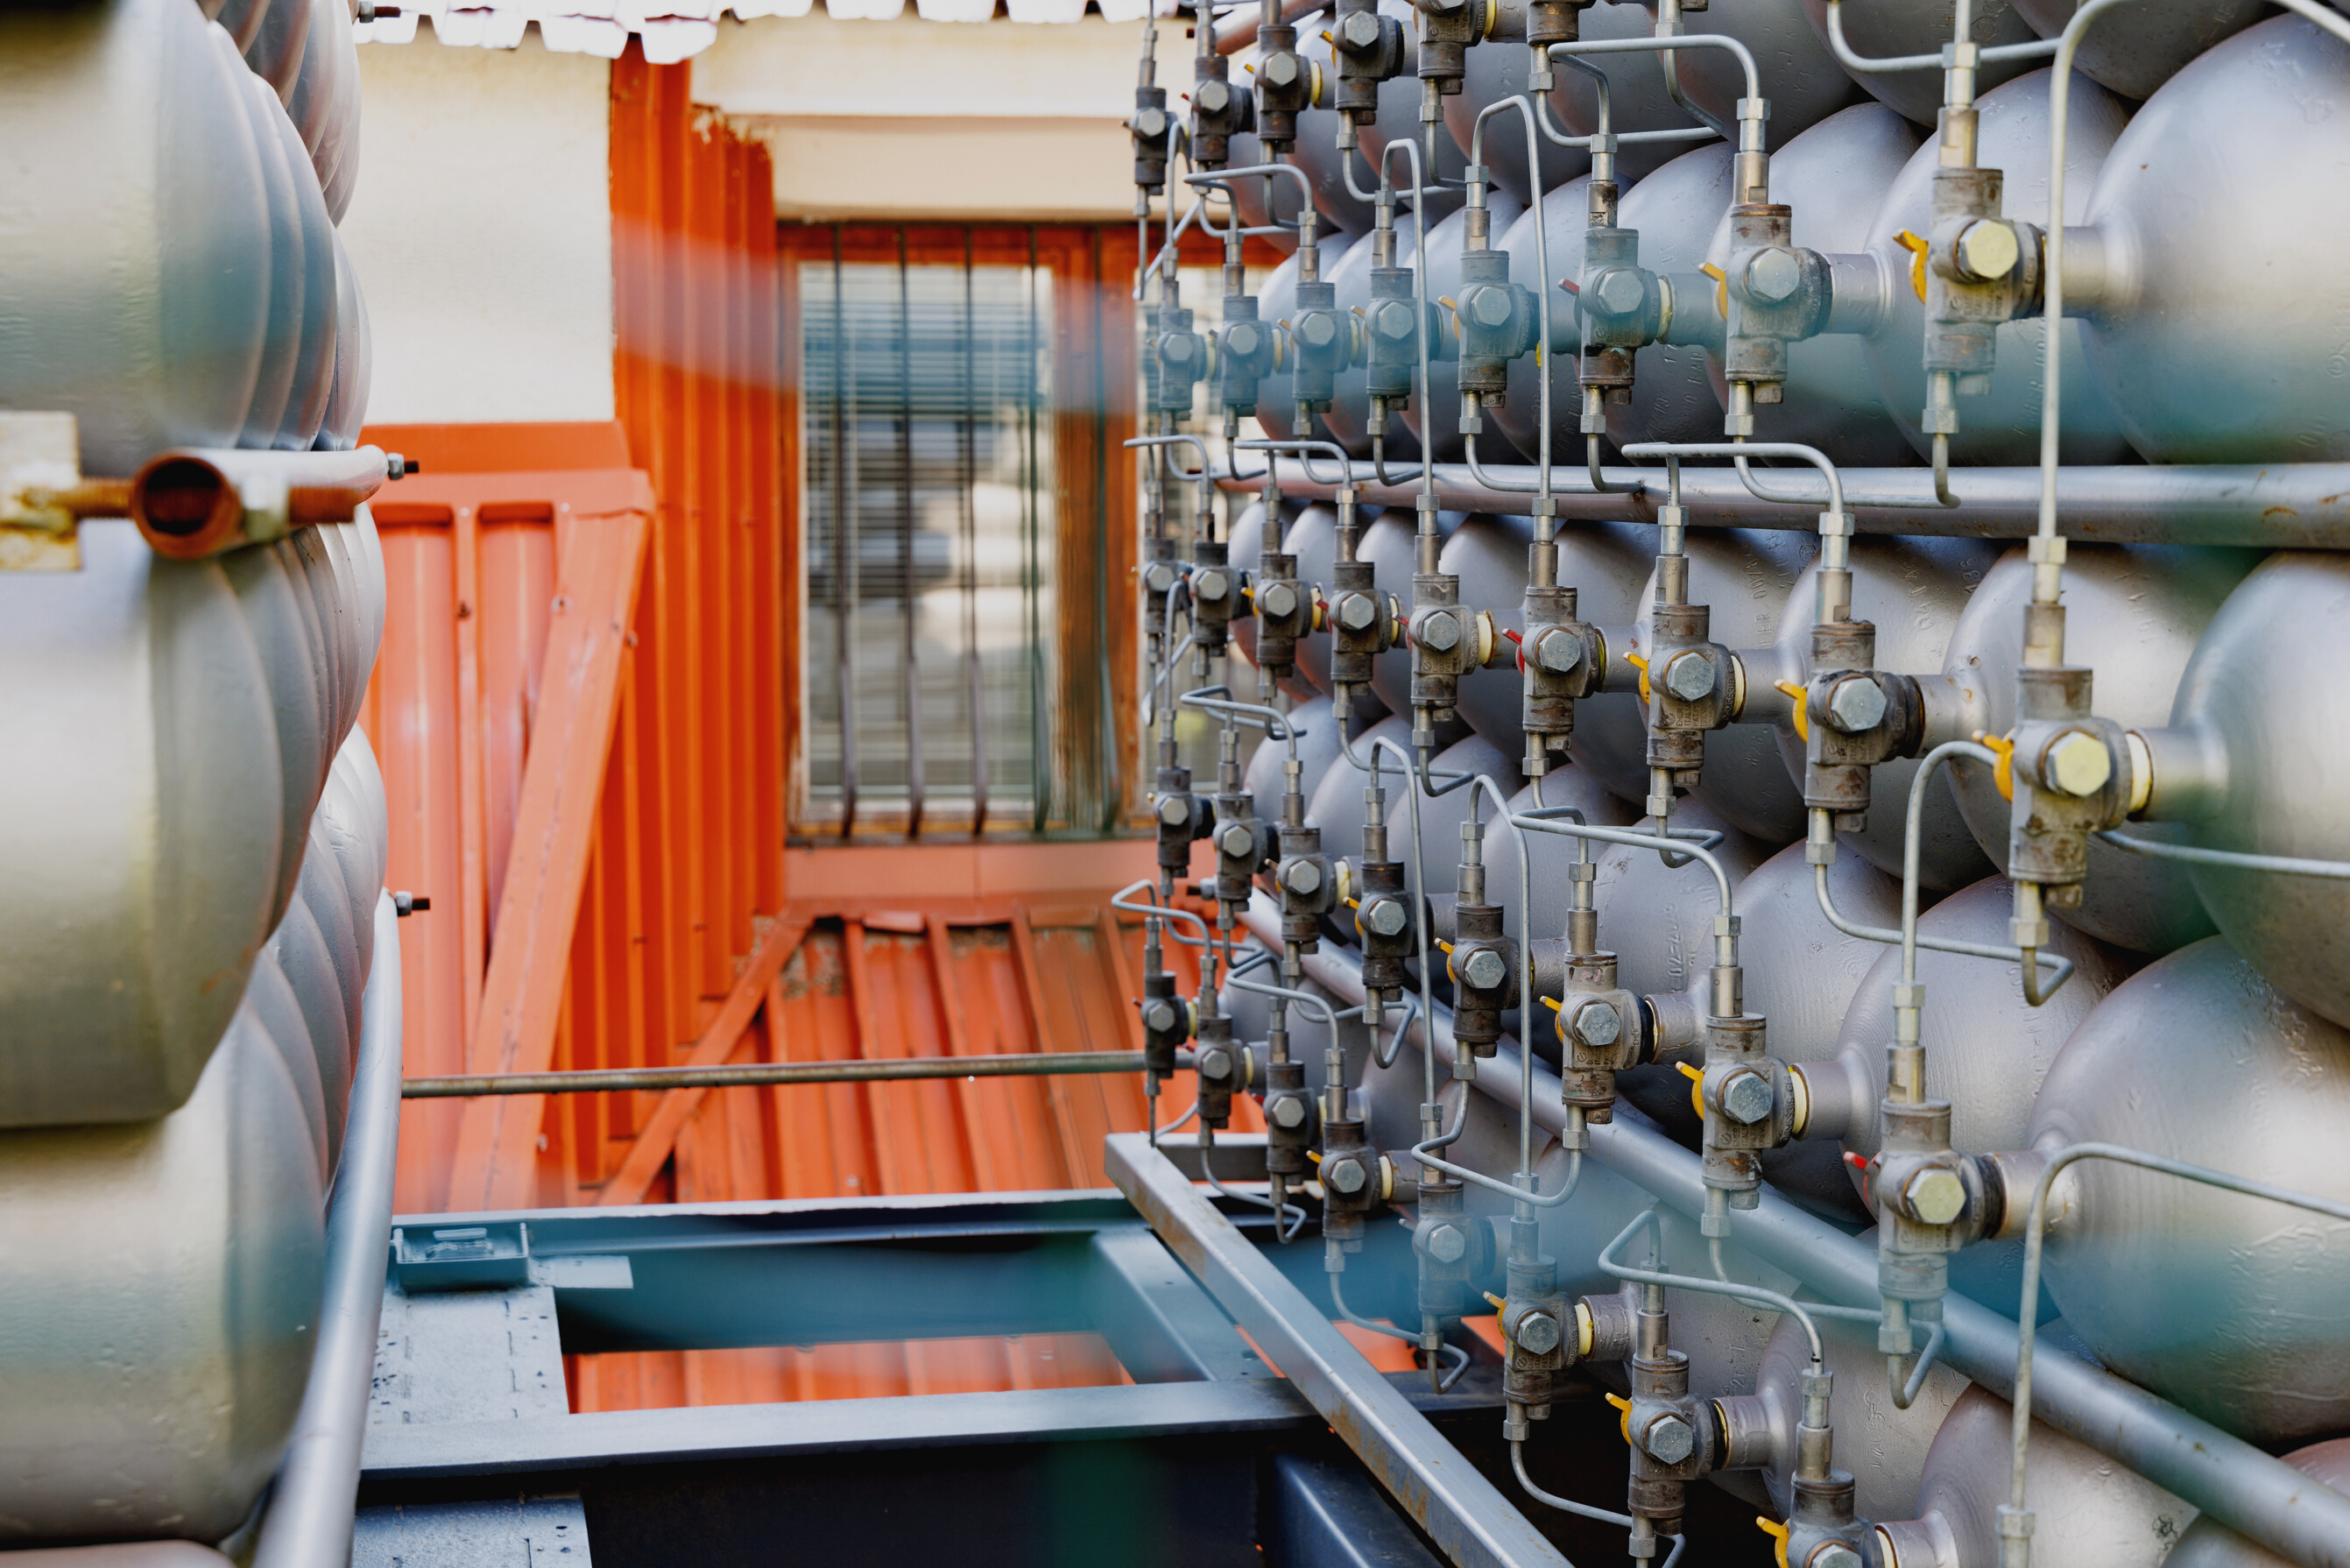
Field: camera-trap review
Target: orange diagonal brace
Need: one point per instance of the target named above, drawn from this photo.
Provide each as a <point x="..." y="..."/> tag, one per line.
<point x="521" y="992"/>
<point x="652" y="1147"/>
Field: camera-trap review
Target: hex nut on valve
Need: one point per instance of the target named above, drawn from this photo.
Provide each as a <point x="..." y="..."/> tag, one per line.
<point x="1158" y="1016"/>
<point x="1490" y="306"/>
<point x="1210" y="584"/>
<point x="1689" y="676"/>
<point x="1441" y="632"/>
<point x="1318" y="330"/>
<point x="1360" y="30"/>
<point x="1288" y="1111"/>
<point x="2076" y="763"/>
<point x="1620" y="291"/>
<point x="1277" y="599"/>
<point x="1304" y="878"/>
<point x="1596" y="1023"/>
<point x="1173" y="809"/>
<point x="1448" y="1244"/>
<point x="1558" y="651"/>
<point x="1281" y="69"/>
<point x="1987" y="249"/>
<point x="1212" y="95"/>
<point x="1215" y="1062"/>
<point x="1746" y="1097"/>
<point x="1856" y="704"/>
<point x="1937" y="1197"/>
<point x="1235" y="841"/>
<point x="1834" y="1554"/>
<point x="1537" y="1334"/>
<point x="1384" y="917"/>
<point x="1668" y="1440"/>
<point x="1774" y="274"/>
<point x="1344" y="1175"/>
<point x="1395" y="321"/>
<point x="1242" y="337"/>
<point x="1356" y="612"/>
<point x="1485" y="970"/>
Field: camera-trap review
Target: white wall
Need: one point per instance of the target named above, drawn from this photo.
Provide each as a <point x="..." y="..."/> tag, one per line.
<point x="482" y="232"/>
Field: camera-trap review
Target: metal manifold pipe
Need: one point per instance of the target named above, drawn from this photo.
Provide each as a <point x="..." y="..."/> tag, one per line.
<point x="2274" y="506"/>
<point x="2261" y="1497"/>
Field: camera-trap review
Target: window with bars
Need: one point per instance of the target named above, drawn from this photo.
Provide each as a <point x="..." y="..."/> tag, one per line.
<point x="966" y="531"/>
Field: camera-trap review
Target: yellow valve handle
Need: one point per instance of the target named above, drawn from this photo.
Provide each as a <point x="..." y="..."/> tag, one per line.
<point x="1314" y="1156"/>
<point x="1802" y="719"/>
<point x="1623" y="1426"/>
<point x="1640" y="664"/>
<point x="1501" y="1308"/>
<point x="1918" y="250"/>
<point x="2003" y="776"/>
<point x="1720" y="289"/>
<point x="1695" y="1075"/>
<point x="1778" y="1532"/>
<point x="1552" y="1002"/>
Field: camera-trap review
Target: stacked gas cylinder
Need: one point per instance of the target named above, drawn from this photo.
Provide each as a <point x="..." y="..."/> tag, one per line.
<point x="194" y="836"/>
<point x="2075" y="698"/>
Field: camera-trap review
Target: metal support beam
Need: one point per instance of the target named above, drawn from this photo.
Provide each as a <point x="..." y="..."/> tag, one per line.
<point x="1161" y="1325"/>
<point x="1321" y="1515"/>
<point x="1463" y="1513"/>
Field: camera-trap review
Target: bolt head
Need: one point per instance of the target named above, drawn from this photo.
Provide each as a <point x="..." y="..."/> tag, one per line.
<point x="1935" y="1196"/>
<point x="1158" y="1016"/>
<point x="1441" y="631"/>
<point x="1356" y="612"/>
<point x="2078" y="763"/>
<point x="1286" y="1111"/>
<point x="1857" y="704"/>
<point x="1150" y="124"/>
<point x="1237" y="840"/>
<point x="1835" y="1555"/>
<point x="1987" y="249"/>
<point x="1244" y="337"/>
<point x="1174" y="810"/>
<point x="1360" y="30"/>
<point x="1160" y="578"/>
<point x="1485" y="970"/>
<point x="1557" y="650"/>
<point x="1490" y="305"/>
<point x="1669" y="1439"/>
<point x="1746" y="1097"/>
<point x="1596" y="1023"/>
<point x="1175" y="347"/>
<point x="1394" y="321"/>
<point x="1277" y="598"/>
<point x="1304" y="878"/>
<point x="1344" y="1175"/>
<point x="1536" y="1333"/>
<point x="1384" y="917"/>
<point x="1211" y="585"/>
<point x="1448" y="1243"/>
<point x="1318" y="330"/>
<point x="1214" y="95"/>
<point x="1215" y="1062"/>
<point x="1774" y="275"/>
<point x="1689" y="676"/>
<point x="1279" y="69"/>
<point x="1620" y="291"/>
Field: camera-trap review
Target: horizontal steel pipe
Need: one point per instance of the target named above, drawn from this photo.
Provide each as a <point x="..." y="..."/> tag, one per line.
<point x="2300" y="506"/>
<point x="2261" y="1497"/>
<point x="1026" y="1066"/>
<point x="190" y="504"/>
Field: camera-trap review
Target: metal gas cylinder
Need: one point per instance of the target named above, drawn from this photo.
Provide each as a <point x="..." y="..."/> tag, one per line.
<point x="2229" y="1305"/>
<point x="1551" y="855"/>
<point x="1636" y="98"/>
<point x="1913" y="591"/>
<point x="1497" y="70"/>
<point x="1802" y="974"/>
<point x="347" y="397"/>
<point x="1566" y="213"/>
<point x="2001" y="426"/>
<point x="2159" y="39"/>
<point x="1277" y="301"/>
<point x="1986" y="1052"/>
<point x="1746" y="577"/>
<point x="2133" y="615"/>
<point x="1885" y="1449"/>
<point x="2215" y="274"/>
<point x="1887" y="27"/>
<point x="190" y="1248"/>
<point x="1803" y="79"/>
<point x="2088" y="1511"/>
<point x="1445" y="242"/>
<point x="1266" y="777"/>
<point x="2281" y="737"/>
<point x="1676" y="210"/>
<point x="140" y="300"/>
<point x="1833" y="176"/>
<point x="2208" y="1544"/>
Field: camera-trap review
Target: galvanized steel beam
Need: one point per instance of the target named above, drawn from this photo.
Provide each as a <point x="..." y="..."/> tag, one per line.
<point x="1463" y="1513"/>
